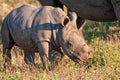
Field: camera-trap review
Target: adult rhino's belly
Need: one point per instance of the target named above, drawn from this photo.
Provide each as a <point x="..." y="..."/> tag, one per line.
<point x="97" y="10"/>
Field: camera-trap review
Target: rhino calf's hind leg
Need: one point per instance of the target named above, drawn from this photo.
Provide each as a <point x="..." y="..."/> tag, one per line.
<point x="29" y="57"/>
<point x="7" y="46"/>
<point x="8" y="43"/>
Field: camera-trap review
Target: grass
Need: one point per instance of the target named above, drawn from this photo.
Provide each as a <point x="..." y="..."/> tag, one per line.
<point x="104" y="62"/>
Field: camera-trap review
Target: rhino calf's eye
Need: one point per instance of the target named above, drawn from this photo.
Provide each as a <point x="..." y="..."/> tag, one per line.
<point x="69" y="44"/>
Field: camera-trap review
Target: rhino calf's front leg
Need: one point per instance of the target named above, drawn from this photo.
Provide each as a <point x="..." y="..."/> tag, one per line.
<point x="44" y="50"/>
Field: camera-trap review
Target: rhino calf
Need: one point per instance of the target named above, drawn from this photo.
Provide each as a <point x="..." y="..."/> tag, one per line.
<point x="42" y="30"/>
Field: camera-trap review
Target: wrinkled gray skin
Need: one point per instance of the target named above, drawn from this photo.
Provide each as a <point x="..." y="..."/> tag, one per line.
<point x="42" y="30"/>
<point x="97" y="10"/>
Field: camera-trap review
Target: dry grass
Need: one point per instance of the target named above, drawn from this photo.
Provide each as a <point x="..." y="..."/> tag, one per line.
<point x="7" y="5"/>
<point x="104" y="62"/>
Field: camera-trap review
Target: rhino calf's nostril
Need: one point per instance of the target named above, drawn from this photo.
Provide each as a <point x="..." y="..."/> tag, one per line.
<point x="86" y="48"/>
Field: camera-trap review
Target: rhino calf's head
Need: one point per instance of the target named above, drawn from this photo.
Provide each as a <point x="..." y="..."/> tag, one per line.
<point x="72" y="42"/>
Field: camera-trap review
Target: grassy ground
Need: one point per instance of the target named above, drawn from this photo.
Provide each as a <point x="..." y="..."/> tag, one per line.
<point x="104" y="62"/>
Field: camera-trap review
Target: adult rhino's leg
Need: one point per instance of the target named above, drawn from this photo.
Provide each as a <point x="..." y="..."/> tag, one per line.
<point x="54" y="3"/>
<point x="29" y="57"/>
<point x="116" y="6"/>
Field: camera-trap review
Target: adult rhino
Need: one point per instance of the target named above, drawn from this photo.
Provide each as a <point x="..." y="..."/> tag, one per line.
<point x="97" y="10"/>
<point x="42" y="30"/>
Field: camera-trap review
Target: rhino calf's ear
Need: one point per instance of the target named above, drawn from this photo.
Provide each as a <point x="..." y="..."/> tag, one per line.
<point x="65" y="21"/>
<point x="72" y="16"/>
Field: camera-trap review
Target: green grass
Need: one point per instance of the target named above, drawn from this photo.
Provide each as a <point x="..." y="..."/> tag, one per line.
<point x="103" y="64"/>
